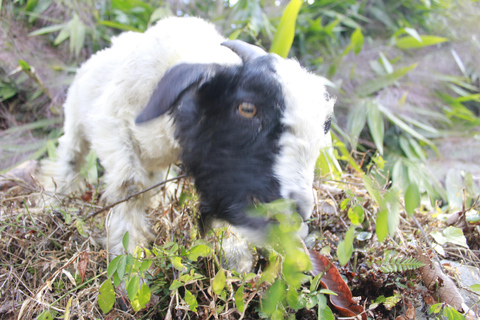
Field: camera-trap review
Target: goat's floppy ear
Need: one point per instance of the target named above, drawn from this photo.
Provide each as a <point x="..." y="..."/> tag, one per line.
<point x="173" y="84"/>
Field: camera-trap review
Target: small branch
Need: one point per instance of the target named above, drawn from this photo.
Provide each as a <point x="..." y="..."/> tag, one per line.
<point x="134" y="195"/>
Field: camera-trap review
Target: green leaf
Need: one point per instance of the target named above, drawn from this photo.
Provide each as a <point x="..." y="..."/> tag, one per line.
<point x="376" y="125"/>
<point x="274" y="295"/>
<point x="63" y="34"/>
<point x="283" y="39"/>
<point x="47" y="315"/>
<point x="125" y="240"/>
<point x="386" y="64"/>
<point x="450" y="234"/>
<point x="197" y="251"/>
<point x="218" y="282"/>
<point x="145" y="265"/>
<point x="356" y="119"/>
<point x="382" y="224"/>
<point x="393" y="211"/>
<point x="372" y="190"/>
<point x="45" y="30"/>
<point x="381" y="82"/>
<point x="132" y="287"/>
<point x="112" y="266"/>
<point x="345" y="247"/>
<point x="106" y="298"/>
<point x="324" y="311"/>
<point x="77" y="34"/>
<point x="120" y="26"/>
<point x="175" y="285"/>
<point x="292" y="299"/>
<point x="239" y="303"/>
<point x="412" y="198"/>
<point x="177" y="264"/>
<point x="436" y="308"/>
<point x="24" y="65"/>
<point x="356" y="215"/>
<point x="122" y="265"/>
<point x="475" y="287"/>
<point x="142" y="298"/>
<point x="296" y="262"/>
<point x="413" y="33"/>
<point x="191" y="301"/>
<point x="409" y="42"/>
<point x="356" y="42"/>
<point x="405" y="127"/>
<point x="79" y="225"/>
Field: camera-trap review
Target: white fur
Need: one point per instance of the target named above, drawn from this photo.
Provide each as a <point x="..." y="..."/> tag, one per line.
<point x="307" y="108"/>
<point x="112" y="88"/>
<point x="109" y="91"/>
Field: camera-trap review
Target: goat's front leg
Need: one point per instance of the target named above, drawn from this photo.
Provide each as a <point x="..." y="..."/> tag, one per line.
<point x="124" y="175"/>
<point x="128" y="216"/>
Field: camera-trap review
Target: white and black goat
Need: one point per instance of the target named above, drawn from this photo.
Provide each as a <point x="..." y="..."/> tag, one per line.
<point x="247" y="125"/>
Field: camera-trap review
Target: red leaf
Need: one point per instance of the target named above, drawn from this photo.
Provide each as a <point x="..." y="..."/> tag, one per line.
<point x="332" y="280"/>
<point x="87" y="196"/>
<point x="82" y="265"/>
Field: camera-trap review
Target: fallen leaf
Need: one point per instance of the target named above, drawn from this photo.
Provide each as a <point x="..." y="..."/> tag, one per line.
<point x="82" y="265"/>
<point x="87" y="196"/>
<point x="332" y="280"/>
<point x="410" y="313"/>
<point x="23" y="171"/>
<point x="438" y="282"/>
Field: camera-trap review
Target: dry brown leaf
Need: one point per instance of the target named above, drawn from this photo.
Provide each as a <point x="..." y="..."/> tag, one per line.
<point x="410" y="313"/>
<point x="82" y="265"/>
<point x="23" y="171"/>
<point x="441" y="285"/>
<point x="333" y="281"/>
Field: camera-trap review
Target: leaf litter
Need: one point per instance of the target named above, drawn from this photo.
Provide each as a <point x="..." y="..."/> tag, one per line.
<point x="47" y="262"/>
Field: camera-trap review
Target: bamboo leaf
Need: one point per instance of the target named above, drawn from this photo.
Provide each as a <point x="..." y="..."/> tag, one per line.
<point x="400" y="123"/>
<point x="409" y="42"/>
<point x="63" y="34"/>
<point x="381" y="82"/>
<point x="412" y="198"/>
<point x="376" y="125"/>
<point x="77" y="35"/>
<point x="283" y="38"/>
<point x="120" y="26"/>
<point x="46" y="30"/>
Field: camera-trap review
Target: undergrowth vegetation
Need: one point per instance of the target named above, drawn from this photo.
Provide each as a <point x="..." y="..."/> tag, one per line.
<point x="405" y="79"/>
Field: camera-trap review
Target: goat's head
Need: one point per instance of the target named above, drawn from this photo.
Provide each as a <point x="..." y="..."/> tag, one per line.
<point x="249" y="132"/>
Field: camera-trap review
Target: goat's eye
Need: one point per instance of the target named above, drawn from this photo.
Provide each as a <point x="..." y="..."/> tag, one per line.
<point x="247" y="110"/>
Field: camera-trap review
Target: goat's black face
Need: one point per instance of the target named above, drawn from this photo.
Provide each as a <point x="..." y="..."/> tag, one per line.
<point x="249" y="132"/>
<point x="229" y="127"/>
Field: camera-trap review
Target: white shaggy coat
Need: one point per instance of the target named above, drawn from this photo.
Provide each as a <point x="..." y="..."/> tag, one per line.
<point x="113" y="87"/>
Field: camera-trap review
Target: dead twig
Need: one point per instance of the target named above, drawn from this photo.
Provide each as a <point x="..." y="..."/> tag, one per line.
<point x="133" y="195"/>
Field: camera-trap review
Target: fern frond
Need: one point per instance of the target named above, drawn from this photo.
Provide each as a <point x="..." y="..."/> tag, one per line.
<point x="400" y="264"/>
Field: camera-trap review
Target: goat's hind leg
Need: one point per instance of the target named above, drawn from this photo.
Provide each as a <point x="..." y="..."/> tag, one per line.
<point x="62" y="175"/>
